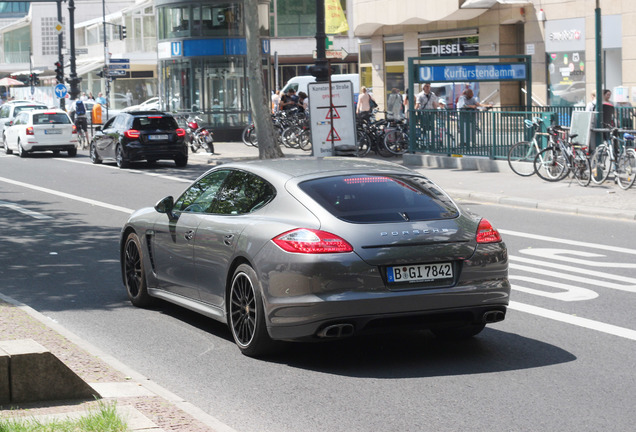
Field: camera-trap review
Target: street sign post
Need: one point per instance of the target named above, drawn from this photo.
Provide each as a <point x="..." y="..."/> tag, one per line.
<point x="60" y="91"/>
<point x="332" y="117"/>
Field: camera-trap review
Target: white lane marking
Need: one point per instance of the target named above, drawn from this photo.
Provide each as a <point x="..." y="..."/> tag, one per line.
<point x="33" y="214"/>
<point x="574" y="278"/>
<point x="554" y="254"/>
<point x="563" y="267"/>
<point x="569" y="242"/>
<point x="570" y="293"/>
<point x="150" y="174"/>
<point x="68" y="196"/>
<point x="575" y="320"/>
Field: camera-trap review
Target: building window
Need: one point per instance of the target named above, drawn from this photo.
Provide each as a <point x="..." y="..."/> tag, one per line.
<point x="293" y="18"/>
<point x="394" y="66"/>
<point x="198" y="20"/>
<point x="49" y="35"/>
<point x="366" y="67"/>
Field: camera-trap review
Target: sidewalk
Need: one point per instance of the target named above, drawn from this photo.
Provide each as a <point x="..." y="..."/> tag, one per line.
<point x="148" y="407"/>
<point x="483" y="180"/>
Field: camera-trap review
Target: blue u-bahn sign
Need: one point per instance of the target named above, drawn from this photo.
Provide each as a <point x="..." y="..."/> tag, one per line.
<point x="472" y="72"/>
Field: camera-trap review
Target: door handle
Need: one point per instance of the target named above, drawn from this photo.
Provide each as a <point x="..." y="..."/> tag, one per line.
<point x="228" y="239"/>
<point x="189" y="235"/>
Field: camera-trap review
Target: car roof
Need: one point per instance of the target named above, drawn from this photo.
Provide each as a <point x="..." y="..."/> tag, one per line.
<point x="316" y="167"/>
<point x="148" y="112"/>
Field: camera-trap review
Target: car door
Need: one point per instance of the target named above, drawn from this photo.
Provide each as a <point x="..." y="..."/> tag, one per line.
<point x="13" y="132"/>
<point x="219" y="232"/>
<point x="174" y="237"/>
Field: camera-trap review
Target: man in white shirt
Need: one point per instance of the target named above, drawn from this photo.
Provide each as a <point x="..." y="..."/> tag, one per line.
<point x="426" y="100"/>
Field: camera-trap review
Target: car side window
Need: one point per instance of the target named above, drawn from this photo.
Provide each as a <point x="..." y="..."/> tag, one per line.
<point x="243" y="193"/>
<point x="199" y="197"/>
<point x="109" y="123"/>
<point x="4" y="112"/>
<point x="20" y="119"/>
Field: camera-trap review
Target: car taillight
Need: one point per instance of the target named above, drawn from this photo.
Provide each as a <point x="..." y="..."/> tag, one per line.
<point x="486" y="233"/>
<point x="180" y="132"/>
<point x="310" y="241"/>
<point x="74" y="129"/>
<point x="29" y="130"/>
<point x="132" y="133"/>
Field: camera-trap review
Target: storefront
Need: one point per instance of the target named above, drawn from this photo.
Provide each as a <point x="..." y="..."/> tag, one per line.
<point x="570" y="67"/>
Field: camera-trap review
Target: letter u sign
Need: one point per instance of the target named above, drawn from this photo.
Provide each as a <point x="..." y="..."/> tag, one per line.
<point x="425" y="74"/>
<point x="175" y="49"/>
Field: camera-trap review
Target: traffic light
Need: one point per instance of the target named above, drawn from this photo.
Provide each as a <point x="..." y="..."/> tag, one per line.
<point x="59" y="72"/>
<point x="122" y="32"/>
<point x="321" y="71"/>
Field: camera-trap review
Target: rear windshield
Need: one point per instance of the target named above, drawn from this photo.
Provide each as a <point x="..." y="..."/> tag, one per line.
<point x="28" y="108"/>
<point x="154" y="123"/>
<point x="55" y="118"/>
<point x="380" y="198"/>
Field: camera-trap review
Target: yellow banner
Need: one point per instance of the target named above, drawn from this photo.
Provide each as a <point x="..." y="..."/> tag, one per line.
<point x="335" y="19"/>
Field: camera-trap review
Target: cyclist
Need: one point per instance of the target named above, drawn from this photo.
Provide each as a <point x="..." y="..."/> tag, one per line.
<point x="78" y="111"/>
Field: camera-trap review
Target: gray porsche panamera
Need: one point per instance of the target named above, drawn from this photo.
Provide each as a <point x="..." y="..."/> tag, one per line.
<point x="317" y="248"/>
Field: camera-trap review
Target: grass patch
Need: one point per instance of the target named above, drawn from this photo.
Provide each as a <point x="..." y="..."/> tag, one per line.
<point x="103" y="419"/>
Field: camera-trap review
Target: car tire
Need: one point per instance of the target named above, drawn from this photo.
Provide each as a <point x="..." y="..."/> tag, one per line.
<point x="21" y="152"/>
<point x="119" y="157"/>
<point x="134" y="272"/>
<point x="246" y="313"/>
<point x="93" y="155"/>
<point x="72" y="152"/>
<point x="7" y="150"/>
<point x="465" y="331"/>
<point x="181" y="161"/>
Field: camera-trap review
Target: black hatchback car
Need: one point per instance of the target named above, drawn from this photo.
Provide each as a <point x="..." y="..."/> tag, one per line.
<point x="140" y="135"/>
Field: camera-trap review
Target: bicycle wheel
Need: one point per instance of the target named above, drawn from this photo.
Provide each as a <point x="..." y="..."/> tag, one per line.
<point x="291" y="137"/>
<point x="550" y="165"/>
<point x="396" y="142"/>
<point x="305" y="140"/>
<point x="521" y="158"/>
<point x="364" y="144"/>
<point x="600" y="164"/>
<point x="626" y="169"/>
<point x="246" y="136"/>
<point x="581" y="168"/>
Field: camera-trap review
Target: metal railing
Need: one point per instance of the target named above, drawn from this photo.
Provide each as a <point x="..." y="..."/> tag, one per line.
<point x="489" y="133"/>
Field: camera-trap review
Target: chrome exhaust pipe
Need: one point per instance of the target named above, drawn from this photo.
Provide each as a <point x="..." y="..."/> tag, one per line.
<point x="493" y="317"/>
<point x="336" y="331"/>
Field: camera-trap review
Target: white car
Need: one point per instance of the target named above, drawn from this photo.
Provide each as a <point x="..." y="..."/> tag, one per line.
<point x="148" y="105"/>
<point x="41" y="130"/>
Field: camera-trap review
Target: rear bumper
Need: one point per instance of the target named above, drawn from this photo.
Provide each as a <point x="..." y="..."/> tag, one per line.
<point x="49" y="147"/>
<point x="137" y="151"/>
<point x="303" y="297"/>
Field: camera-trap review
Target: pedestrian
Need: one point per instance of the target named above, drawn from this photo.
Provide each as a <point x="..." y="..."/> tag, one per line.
<point x="425" y="101"/>
<point x="365" y="103"/>
<point x="275" y="101"/>
<point x="84" y="97"/>
<point x="288" y="100"/>
<point x="608" y="110"/>
<point x="90" y="96"/>
<point x="395" y="105"/>
<point x="302" y="102"/>
<point x="467" y="105"/>
<point x="591" y="105"/>
<point x="129" y="98"/>
<point x="101" y="99"/>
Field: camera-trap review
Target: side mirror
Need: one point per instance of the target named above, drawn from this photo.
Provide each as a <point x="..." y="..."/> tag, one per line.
<point x="166" y="206"/>
<point x="98" y="129"/>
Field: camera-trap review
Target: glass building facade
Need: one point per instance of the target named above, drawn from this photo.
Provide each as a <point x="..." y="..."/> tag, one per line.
<point x="202" y="62"/>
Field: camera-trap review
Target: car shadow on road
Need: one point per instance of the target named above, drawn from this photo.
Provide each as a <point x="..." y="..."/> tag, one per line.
<point x="419" y="354"/>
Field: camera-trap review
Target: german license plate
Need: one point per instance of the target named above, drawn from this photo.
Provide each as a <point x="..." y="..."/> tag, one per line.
<point x="52" y="131"/>
<point x="158" y="137"/>
<point x="420" y="272"/>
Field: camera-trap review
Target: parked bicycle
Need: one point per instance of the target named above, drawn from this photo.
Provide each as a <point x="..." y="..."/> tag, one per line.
<point x="521" y="155"/>
<point x="615" y="156"/>
<point x="562" y="157"/>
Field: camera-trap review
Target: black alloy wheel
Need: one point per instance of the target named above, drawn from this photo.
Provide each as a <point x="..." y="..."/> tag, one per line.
<point x="247" y="319"/>
<point x="93" y="154"/>
<point x="119" y="157"/>
<point x="134" y="272"/>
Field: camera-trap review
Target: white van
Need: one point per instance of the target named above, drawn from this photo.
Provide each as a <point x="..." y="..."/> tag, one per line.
<point x="300" y="83"/>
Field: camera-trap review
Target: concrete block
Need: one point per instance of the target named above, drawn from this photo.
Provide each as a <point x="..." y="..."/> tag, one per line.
<point x="468" y="163"/>
<point x="5" y="391"/>
<point x="412" y="159"/>
<point x="37" y="375"/>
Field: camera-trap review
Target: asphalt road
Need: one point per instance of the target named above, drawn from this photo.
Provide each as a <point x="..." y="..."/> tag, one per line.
<point x="562" y="360"/>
